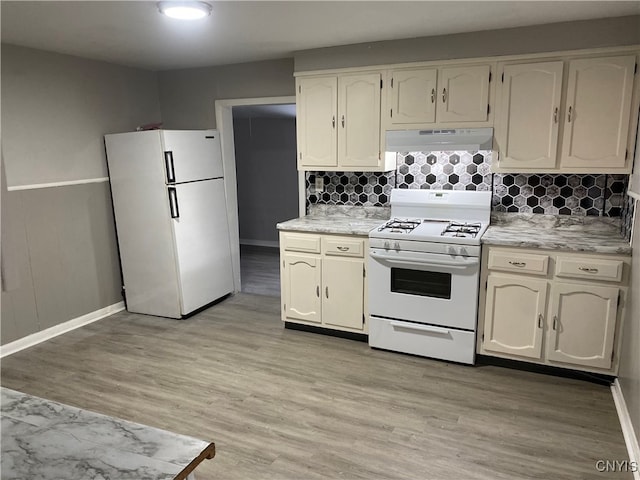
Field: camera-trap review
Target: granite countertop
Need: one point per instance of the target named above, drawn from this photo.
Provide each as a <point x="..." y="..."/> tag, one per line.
<point x="557" y="232"/>
<point x="338" y="219"/>
<point x="42" y="440"/>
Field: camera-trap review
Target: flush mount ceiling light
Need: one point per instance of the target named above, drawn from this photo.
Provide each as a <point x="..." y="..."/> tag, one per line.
<point x="185" y="10"/>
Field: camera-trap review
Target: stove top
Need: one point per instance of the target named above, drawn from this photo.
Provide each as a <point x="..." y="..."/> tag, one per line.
<point x="442" y="216"/>
<point x="428" y="230"/>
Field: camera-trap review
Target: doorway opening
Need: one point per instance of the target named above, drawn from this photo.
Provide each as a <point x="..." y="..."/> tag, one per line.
<point x="259" y="151"/>
<point x="267" y="180"/>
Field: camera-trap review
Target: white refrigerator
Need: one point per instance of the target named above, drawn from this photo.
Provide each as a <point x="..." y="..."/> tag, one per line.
<point x="171" y="219"/>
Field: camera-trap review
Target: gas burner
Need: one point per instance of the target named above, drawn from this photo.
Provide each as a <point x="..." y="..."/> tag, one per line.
<point x="397" y="225"/>
<point x="456" y="229"/>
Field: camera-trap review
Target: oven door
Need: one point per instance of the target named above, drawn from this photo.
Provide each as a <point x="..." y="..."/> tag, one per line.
<point x="431" y="288"/>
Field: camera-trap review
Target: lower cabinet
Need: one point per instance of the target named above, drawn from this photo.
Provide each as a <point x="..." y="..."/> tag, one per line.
<point x="323" y="280"/>
<point x="534" y="308"/>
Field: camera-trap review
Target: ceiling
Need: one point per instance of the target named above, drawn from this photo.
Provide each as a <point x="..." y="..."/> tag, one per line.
<point x="134" y="33"/>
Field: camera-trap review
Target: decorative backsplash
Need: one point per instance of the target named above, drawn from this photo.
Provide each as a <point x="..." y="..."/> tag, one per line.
<point x="627" y="216"/>
<point x="559" y="194"/>
<point x="519" y="193"/>
<point x="368" y="189"/>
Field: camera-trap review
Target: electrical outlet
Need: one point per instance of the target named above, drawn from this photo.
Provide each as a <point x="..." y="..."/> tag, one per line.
<point x="319" y="184"/>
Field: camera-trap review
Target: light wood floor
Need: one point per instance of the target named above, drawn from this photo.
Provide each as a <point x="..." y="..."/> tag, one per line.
<point x="284" y="404"/>
<point x="260" y="270"/>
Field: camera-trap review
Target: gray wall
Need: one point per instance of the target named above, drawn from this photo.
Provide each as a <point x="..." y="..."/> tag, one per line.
<point x="267" y="176"/>
<point x="629" y="373"/>
<point x="606" y="32"/>
<point x="55" y="110"/>
<point x="187" y="97"/>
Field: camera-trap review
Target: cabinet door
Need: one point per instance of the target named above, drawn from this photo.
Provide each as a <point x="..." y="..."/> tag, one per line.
<point x="582" y="324"/>
<point x="463" y="94"/>
<point x="317" y="104"/>
<point x="343" y="292"/>
<point x="514" y="315"/>
<point x="359" y="119"/>
<point x="412" y="96"/>
<point x="527" y="120"/>
<point x="597" y="113"/>
<point x="302" y="274"/>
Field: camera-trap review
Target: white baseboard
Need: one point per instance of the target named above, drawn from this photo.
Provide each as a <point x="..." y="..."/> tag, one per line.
<point x="628" y="432"/>
<point x="43" y="335"/>
<point x="260" y="243"/>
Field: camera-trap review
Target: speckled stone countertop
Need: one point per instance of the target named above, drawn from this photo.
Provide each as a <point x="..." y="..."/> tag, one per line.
<point x="343" y="220"/>
<point x="557" y="232"/>
<point x="43" y="440"/>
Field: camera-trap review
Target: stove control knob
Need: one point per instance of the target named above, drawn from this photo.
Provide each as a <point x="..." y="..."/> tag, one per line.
<point x="463" y="251"/>
<point x="452" y="251"/>
<point x="387" y="245"/>
<point x="396" y="245"/>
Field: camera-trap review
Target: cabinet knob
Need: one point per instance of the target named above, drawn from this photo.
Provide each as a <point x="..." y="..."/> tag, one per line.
<point x="444" y="95"/>
<point x="342" y="121"/>
<point x="569" y="114"/>
<point x="433" y="95"/>
<point x="333" y="121"/>
<point x="555" y="115"/>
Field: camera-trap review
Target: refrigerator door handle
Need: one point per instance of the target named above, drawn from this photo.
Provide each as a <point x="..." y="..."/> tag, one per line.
<point x="168" y="163"/>
<point x="173" y="202"/>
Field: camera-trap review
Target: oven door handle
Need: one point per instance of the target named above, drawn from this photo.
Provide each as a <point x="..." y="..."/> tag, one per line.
<point x="421" y="328"/>
<point x="397" y="259"/>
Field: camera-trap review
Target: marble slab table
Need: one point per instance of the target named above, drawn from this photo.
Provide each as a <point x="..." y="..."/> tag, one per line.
<point x="46" y="440"/>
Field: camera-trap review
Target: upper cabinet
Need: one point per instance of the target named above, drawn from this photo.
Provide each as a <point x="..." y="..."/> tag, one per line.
<point x="526" y="128"/>
<point x="317" y="104"/>
<point x="338" y="124"/>
<point x="584" y="125"/>
<point x="430" y="96"/>
<point x="573" y="112"/>
<point x="598" y="107"/>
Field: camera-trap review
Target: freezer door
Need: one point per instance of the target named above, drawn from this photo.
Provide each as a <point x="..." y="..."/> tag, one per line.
<point x="202" y="242"/>
<point x="191" y="155"/>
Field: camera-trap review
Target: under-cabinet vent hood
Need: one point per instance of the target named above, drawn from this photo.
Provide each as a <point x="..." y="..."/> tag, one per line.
<point x="470" y="139"/>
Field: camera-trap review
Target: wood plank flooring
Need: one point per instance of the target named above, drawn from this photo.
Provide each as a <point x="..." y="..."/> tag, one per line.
<point x="260" y="270"/>
<point x="285" y="404"/>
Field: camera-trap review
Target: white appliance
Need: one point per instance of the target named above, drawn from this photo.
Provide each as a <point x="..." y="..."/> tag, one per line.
<point x="171" y="219"/>
<point x="423" y="271"/>
<point x="470" y="139"/>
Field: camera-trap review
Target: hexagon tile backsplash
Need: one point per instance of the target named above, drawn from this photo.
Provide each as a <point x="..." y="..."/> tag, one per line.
<point x="522" y="193"/>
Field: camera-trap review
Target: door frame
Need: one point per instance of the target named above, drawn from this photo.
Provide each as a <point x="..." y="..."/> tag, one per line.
<point x="224" y="124"/>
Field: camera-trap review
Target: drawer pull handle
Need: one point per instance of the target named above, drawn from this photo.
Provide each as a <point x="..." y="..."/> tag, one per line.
<point x="433" y="95"/>
<point x="588" y="270"/>
<point x="326" y="291"/>
<point x="343" y="249"/>
<point x="555" y="322"/>
<point x="518" y="264"/>
<point x="318" y="291"/>
<point x="540" y="320"/>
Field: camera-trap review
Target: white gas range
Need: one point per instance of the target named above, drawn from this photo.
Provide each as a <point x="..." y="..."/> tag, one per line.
<point x="424" y="269"/>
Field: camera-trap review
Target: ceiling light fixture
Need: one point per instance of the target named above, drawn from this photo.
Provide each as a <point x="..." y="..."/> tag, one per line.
<point x="185" y="10"/>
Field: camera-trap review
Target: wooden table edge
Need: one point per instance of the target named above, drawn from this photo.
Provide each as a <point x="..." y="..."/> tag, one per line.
<point x="208" y="453"/>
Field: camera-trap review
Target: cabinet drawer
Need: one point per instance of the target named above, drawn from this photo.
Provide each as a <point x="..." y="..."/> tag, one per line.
<point x="596" y="269"/>
<point x="423" y="340"/>
<point x="347" y="247"/>
<point x="301" y="243"/>
<point x="518" y="262"/>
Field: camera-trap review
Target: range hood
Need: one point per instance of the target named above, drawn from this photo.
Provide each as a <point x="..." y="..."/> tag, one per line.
<point x="470" y="139"/>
